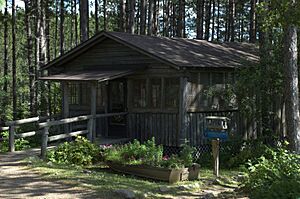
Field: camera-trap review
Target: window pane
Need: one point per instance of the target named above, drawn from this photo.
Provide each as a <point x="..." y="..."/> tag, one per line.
<point x="117" y="95"/>
<point x="139" y="93"/>
<point x="155" y="92"/>
<point x="204" y="87"/>
<point x="172" y="92"/>
<point x="100" y="95"/>
<point x="193" y="91"/>
<point x="86" y="94"/>
<point x="74" y="93"/>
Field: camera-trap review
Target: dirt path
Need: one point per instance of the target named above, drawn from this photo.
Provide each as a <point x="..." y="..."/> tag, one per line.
<point x="17" y="181"/>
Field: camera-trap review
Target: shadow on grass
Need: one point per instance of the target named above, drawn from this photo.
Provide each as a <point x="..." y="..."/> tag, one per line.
<point x="105" y="181"/>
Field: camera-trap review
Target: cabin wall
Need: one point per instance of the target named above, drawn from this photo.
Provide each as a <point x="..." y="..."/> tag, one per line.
<point x="107" y="55"/>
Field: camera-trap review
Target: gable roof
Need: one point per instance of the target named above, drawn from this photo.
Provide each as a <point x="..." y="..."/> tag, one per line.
<point x="176" y="52"/>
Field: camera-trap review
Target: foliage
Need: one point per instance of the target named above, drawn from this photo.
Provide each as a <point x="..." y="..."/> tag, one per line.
<point x="20" y="143"/>
<point x="226" y="96"/>
<point x="276" y="174"/>
<point x="235" y="154"/>
<point x="148" y="153"/>
<point x="79" y="152"/>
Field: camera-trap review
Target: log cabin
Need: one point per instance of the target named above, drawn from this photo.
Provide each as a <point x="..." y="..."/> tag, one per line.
<point x="166" y="86"/>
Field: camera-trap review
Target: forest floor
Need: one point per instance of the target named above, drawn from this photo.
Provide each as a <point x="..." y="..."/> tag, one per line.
<point x="23" y="175"/>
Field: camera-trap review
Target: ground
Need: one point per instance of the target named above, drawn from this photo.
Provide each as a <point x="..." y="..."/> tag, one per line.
<point x="36" y="179"/>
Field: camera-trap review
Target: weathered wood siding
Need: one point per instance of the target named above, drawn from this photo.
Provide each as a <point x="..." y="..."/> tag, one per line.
<point x="162" y="126"/>
<point x="195" y="126"/>
<point x="109" y="54"/>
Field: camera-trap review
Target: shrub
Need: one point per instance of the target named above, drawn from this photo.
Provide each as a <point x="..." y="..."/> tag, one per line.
<point x="276" y="174"/>
<point x="79" y="152"/>
<point x="20" y="143"/>
<point x="148" y="153"/>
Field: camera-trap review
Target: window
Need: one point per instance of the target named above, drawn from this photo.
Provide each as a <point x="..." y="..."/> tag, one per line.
<point x="139" y="93"/>
<point x="204" y="88"/>
<point x="74" y="93"/>
<point x="155" y="92"/>
<point x="171" y="92"/>
<point x="100" y="95"/>
<point x="193" y="93"/>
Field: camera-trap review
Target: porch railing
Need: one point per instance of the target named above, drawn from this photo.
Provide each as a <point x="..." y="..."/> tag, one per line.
<point x="43" y="128"/>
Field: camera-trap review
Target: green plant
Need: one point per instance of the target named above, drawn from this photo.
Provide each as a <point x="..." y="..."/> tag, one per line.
<point x="276" y="174"/>
<point x="79" y="152"/>
<point x="149" y="153"/>
<point x="20" y="143"/>
<point x="186" y="155"/>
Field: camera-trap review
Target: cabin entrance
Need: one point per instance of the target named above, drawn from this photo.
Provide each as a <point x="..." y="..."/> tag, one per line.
<point x="116" y="104"/>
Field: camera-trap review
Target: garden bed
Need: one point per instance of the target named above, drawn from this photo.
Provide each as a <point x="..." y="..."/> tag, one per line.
<point x="170" y="175"/>
<point x="156" y="173"/>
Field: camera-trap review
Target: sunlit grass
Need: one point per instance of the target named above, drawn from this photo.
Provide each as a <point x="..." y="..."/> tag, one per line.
<point x="101" y="179"/>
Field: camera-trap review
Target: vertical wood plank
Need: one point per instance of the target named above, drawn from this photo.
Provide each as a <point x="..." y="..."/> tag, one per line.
<point x="44" y="142"/>
<point x="93" y="110"/>
<point x="66" y="106"/>
<point x="12" y="138"/>
<point x="183" y="94"/>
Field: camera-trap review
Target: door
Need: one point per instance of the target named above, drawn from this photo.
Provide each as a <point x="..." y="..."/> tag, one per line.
<point x="117" y="103"/>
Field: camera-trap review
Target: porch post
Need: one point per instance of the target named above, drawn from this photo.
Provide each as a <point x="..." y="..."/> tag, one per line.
<point x="183" y="121"/>
<point x="66" y="109"/>
<point x="92" y="133"/>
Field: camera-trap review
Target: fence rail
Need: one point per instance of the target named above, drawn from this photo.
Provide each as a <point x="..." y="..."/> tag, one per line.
<point x="44" y="126"/>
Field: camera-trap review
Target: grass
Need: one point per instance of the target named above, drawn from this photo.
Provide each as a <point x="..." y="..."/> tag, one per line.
<point x="104" y="181"/>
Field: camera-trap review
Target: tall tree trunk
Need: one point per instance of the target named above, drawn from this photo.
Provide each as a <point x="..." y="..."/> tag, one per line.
<point x="84" y="16"/>
<point x="199" y="19"/>
<point x="61" y="28"/>
<point x="218" y="20"/>
<point x="143" y="17"/>
<point x="252" y="30"/>
<point x="14" y="65"/>
<point x="167" y="10"/>
<point x="48" y="55"/>
<point x="122" y="16"/>
<point x="291" y="86"/>
<point x="231" y="19"/>
<point x="5" y="59"/>
<point x="96" y="17"/>
<point x="56" y="29"/>
<point x="130" y="28"/>
<point x="180" y="20"/>
<point x="150" y="17"/>
<point x="31" y="75"/>
<point x="75" y="22"/>
<point x="104" y="15"/>
<point x="207" y="19"/>
<point x="213" y="20"/>
<point x="155" y="17"/>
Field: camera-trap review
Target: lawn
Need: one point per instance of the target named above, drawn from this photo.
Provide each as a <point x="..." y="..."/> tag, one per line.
<point x="104" y="181"/>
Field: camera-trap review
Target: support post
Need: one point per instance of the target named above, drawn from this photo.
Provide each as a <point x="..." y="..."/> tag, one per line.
<point x="44" y="142"/>
<point x="90" y="128"/>
<point x="66" y="108"/>
<point x="12" y="138"/>
<point x="93" y="111"/>
<point x="216" y="153"/>
<point x="183" y="92"/>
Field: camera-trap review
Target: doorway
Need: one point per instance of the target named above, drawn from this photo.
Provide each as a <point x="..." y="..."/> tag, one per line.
<point x="117" y="103"/>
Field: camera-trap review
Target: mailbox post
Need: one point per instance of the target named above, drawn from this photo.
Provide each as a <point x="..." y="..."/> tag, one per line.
<point x="216" y="129"/>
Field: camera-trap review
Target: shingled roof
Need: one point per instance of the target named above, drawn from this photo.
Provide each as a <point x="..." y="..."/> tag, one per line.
<point x="178" y="52"/>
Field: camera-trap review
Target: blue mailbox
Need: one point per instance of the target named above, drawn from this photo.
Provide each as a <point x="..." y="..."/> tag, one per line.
<point x="216" y="127"/>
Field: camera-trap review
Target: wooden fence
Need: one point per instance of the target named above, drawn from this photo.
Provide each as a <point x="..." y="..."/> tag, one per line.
<point x="43" y="128"/>
<point x="162" y="126"/>
<point x="195" y="125"/>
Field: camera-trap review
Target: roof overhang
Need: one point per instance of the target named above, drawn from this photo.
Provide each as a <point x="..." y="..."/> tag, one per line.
<point x="98" y="76"/>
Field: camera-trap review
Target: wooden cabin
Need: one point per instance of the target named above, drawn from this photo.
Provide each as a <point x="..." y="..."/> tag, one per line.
<point x="161" y="83"/>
